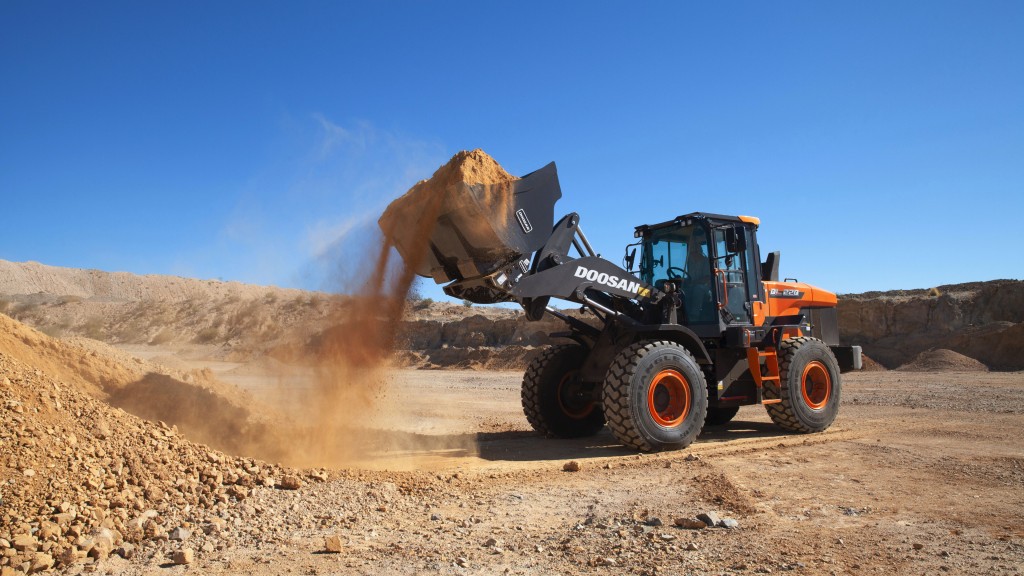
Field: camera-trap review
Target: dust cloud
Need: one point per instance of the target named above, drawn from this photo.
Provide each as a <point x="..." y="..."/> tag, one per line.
<point x="348" y="415"/>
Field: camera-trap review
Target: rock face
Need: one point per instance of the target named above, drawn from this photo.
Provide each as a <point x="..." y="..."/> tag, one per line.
<point x="496" y="342"/>
<point x="474" y="330"/>
<point x="33" y="278"/>
<point x="981" y="320"/>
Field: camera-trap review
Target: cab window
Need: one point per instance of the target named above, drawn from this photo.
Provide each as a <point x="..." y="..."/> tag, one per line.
<point x="681" y="256"/>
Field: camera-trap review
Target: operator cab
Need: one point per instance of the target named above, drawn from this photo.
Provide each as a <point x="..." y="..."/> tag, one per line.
<point x="711" y="261"/>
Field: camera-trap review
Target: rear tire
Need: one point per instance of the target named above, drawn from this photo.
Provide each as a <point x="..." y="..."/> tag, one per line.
<point x="655" y="396"/>
<point x="720" y="416"/>
<point x="555" y="402"/>
<point x="810" y="385"/>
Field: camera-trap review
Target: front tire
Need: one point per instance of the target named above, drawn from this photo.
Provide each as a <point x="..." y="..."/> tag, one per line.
<point x="555" y="401"/>
<point x="810" y="385"/>
<point x="655" y="396"/>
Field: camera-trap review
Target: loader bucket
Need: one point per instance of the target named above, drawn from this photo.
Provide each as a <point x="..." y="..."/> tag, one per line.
<point x="473" y="229"/>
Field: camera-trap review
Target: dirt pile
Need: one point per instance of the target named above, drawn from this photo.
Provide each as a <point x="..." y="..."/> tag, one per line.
<point x="870" y="365"/>
<point x="472" y="191"/>
<point x="81" y="480"/>
<point x="942" y="360"/>
<point x="205" y="409"/>
<point x="90" y="372"/>
<point x="465" y="167"/>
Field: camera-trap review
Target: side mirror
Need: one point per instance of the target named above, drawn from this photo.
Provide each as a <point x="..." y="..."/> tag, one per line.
<point x="735" y="239"/>
<point x="630" y="257"/>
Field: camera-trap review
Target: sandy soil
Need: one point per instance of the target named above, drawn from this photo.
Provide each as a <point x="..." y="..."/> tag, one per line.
<point x="922" y="473"/>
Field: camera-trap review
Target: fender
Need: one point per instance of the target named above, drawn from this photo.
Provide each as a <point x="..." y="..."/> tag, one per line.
<point x="677" y="333"/>
<point x="610" y="342"/>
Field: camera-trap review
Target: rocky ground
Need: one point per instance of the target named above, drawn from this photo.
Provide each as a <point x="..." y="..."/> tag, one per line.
<point x="893" y="486"/>
<point x="82" y="480"/>
<point x="918" y="475"/>
<point x="183" y="442"/>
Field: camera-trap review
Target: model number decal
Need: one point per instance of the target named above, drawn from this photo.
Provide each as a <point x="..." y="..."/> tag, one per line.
<point x="785" y="293"/>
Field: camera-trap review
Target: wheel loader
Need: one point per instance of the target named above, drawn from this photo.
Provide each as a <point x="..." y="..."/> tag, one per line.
<point x="662" y="347"/>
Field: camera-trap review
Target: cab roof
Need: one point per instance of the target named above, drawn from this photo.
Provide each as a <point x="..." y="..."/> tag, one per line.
<point x="712" y="219"/>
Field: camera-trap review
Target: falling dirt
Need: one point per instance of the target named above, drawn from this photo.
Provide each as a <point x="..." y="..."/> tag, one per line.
<point x="344" y="415"/>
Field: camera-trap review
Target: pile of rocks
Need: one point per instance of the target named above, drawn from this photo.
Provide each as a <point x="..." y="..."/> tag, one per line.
<point x="80" y="480"/>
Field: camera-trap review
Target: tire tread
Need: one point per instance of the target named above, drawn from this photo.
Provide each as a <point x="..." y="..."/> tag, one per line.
<point x="616" y="392"/>
<point x="783" y="413"/>
<point x="530" y="392"/>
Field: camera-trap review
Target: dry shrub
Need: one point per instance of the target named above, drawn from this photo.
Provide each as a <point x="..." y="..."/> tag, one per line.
<point x="53" y="331"/>
<point x="23" y="309"/>
<point x="133" y="331"/>
<point x="93" y="328"/>
<point x="207" y="335"/>
<point x="162" y="337"/>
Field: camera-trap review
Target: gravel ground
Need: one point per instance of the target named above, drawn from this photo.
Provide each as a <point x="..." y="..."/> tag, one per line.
<point x="911" y="478"/>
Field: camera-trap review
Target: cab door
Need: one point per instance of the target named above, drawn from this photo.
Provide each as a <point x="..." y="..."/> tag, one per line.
<point x="735" y="273"/>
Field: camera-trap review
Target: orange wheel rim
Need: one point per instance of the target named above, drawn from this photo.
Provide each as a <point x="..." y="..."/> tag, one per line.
<point x="573" y="398"/>
<point x="816" y="385"/>
<point x="668" y="398"/>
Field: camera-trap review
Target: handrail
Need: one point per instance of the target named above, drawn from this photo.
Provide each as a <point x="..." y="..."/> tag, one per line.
<point x="724" y="302"/>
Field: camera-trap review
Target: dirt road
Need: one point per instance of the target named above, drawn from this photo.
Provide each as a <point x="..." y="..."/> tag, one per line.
<point x="921" y="474"/>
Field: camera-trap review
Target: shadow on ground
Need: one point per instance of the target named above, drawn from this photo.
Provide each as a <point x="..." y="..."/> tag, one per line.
<point x="738" y="429"/>
<point x="228" y="425"/>
<point x="529" y="446"/>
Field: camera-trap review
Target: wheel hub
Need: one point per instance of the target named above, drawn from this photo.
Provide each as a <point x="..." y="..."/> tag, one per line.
<point x="668" y="398"/>
<point x="816" y="385"/>
<point x="574" y="397"/>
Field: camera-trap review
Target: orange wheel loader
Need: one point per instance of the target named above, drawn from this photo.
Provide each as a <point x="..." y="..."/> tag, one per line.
<point x="680" y="340"/>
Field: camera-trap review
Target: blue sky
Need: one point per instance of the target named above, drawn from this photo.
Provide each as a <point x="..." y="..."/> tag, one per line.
<point x="881" y="143"/>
